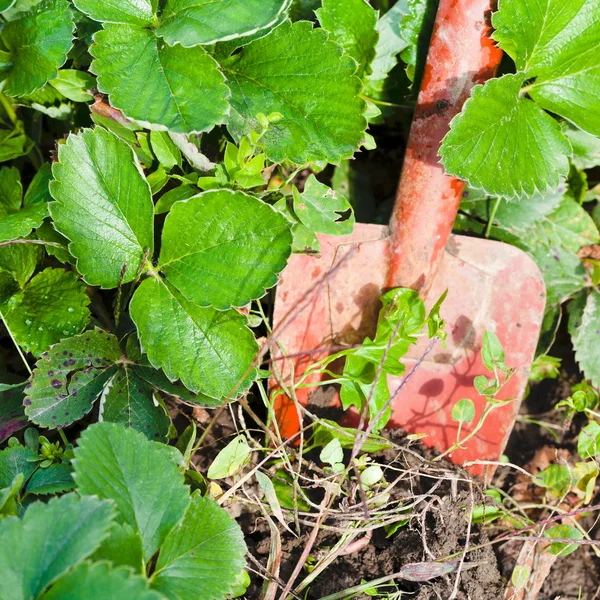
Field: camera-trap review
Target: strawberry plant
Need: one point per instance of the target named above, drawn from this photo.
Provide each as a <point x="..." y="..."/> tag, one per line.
<point x="131" y="530"/>
<point x="161" y="162"/>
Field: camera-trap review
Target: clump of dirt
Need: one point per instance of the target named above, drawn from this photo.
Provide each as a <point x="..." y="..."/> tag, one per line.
<point x="441" y="530"/>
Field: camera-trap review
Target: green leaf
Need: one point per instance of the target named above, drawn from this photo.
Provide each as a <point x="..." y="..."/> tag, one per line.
<point x="586" y="148"/>
<point x="389" y="45"/>
<point x="223" y="248"/>
<point x="297" y="72"/>
<point x="187" y="88"/>
<point x="14" y="461"/>
<point x="16" y="222"/>
<point x="166" y="201"/>
<point x="12" y="414"/>
<point x="515" y="215"/>
<point x="505" y="144"/>
<point x="352" y="24"/>
<point x="20" y="260"/>
<point x="165" y="150"/>
<point x="520" y="576"/>
<point x="371" y="475"/>
<point x="129" y="12"/>
<point x="103" y="206"/>
<point x="8" y="504"/>
<point x="47" y="233"/>
<point x="410" y="31"/>
<point x="55" y="479"/>
<point x="137" y="474"/>
<point x="38" y="42"/>
<point x="101" y="581"/>
<point x="230" y="459"/>
<point x="555" y="43"/>
<point x="556" y="478"/>
<point x="322" y="209"/>
<point x="332" y="453"/>
<point x="194" y="22"/>
<point x="68" y="378"/>
<point x="129" y="400"/>
<point x="324" y="431"/>
<point x="588" y="441"/>
<point x="192" y="343"/>
<point x="463" y="411"/>
<point x="74" y="85"/>
<point x="202" y="556"/>
<point x="492" y="352"/>
<point x="585" y="335"/>
<point x="51" y="539"/>
<point x="563" y="532"/>
<point x="123" y="547"/>
<point x="38" y="190"/>
<point x="52" y="306"/>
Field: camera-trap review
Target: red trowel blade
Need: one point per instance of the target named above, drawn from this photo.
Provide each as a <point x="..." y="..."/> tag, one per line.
<point x="333" y="300"/>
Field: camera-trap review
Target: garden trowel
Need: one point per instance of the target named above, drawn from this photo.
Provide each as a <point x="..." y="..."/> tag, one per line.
<point x="333" y="300"/>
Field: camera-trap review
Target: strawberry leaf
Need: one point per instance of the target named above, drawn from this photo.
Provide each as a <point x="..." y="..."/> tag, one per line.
<point x="390" y="43"/>
<point x="68" y="378"/>
<point x="103" y="206"/>
<point x="556" y="42"/>
<point x="17" y="221"/>
<point x="55" y="479"/>
<point x="208" y="546"/>
<point x="297" y="72"/>
<point x="12" y="415"/>
<point x="129" y="400"/>
<point x="138" y="475"/>
<point x="322" y="209"/>
<point x="100" y="580"/>
<point x="585" y="334"/>
<point x="37" y="42"/>
<point x="52" y="306"/>
<point x="504" y="143"/>
<point x="352" y="24"/>
<point x="223" y="248"/>
<point x="50" y="539"/>
<point x="188" y="91"/>
<point x="192" y="343"/>
<point x="194" y="22"/>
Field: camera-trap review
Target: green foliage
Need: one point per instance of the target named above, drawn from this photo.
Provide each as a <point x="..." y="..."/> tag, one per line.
<point x="563" y="532"/>
<point x="401" y="322"/>
<point x="230" y="459"/>
<point x="352" y="24"/>
<point x="270" y="74"/>
<point x="131" y="502"/>
<point x="37" y="43"/>
<point x="556" y="72"/>
<point x="463" y="411"/>
<point x="194" y="22"/>
<point x="18" y="217"/>
<point x="52" y="306"/>
<point x="50" y="539"/>
<point x="584" y="326"/>
<point x="558" y="479"/>
<point x="103" y="206"/>
<point x="495" y="118"/>
<point x="238" y="232"/>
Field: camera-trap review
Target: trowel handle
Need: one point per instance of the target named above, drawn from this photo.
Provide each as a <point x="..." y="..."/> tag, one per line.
<point x="461" y="54"/>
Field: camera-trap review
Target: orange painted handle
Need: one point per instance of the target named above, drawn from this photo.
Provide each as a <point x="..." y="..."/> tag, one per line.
<point x="461" y="55"/>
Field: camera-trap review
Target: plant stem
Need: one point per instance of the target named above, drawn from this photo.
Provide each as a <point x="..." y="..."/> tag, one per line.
<point x="495" y="206"/>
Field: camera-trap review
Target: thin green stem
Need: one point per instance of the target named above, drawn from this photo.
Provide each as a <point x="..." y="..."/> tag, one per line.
<point x="488" y="229"/>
